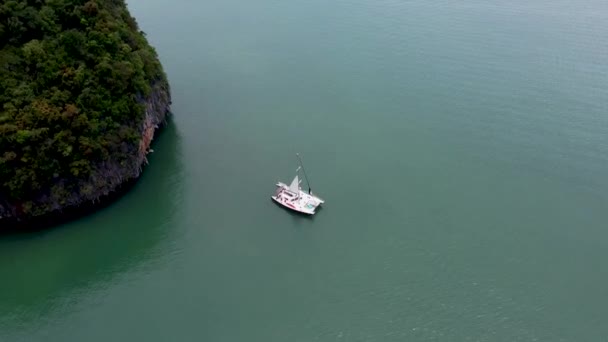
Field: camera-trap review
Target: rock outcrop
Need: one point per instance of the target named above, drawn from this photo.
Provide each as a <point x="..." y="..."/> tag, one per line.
<point x="108" y="177"/>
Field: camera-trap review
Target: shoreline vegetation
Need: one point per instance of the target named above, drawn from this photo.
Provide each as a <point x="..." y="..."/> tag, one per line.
<point x="16" y="225"/>
<point x="83" y="95"/>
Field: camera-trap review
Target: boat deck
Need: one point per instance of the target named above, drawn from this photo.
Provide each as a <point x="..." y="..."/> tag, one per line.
<point x="302" y="202"/>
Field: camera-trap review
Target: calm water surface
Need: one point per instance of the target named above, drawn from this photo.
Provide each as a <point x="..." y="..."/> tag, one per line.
<point x="461" y="147"/>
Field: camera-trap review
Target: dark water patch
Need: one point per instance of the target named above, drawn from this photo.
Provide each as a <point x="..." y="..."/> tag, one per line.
<point x="54" y="266"/>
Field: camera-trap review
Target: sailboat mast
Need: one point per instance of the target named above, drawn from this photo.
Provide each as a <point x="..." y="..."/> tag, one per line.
<point x="305" y="176"/>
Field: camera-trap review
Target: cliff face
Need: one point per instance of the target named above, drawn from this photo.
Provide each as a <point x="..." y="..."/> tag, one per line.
<point x="108" y="175"/>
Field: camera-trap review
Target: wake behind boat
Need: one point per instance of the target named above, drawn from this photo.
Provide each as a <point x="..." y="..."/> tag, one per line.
<point x="292" y="197"/>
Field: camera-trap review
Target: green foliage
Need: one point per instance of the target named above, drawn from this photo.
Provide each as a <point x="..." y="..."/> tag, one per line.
<point x="71" y="72"/>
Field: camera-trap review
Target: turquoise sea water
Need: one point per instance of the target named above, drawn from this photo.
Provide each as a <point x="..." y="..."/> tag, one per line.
<point x="461" y="148"/>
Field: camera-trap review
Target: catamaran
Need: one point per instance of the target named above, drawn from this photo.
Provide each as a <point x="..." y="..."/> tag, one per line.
<point x="292" y="197"/>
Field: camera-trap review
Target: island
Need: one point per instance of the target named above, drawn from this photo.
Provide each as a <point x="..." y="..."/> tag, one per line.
<point x="82" y="95"/>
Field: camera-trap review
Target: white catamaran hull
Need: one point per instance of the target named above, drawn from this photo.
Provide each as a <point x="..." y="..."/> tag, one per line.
<point x="301" y="201"/>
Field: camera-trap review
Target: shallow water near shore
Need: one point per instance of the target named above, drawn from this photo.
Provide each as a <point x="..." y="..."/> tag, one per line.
<point x="461" y="149"/>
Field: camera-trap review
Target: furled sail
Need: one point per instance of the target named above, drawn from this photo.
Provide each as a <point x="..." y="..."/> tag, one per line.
<point x="295" y="185"/>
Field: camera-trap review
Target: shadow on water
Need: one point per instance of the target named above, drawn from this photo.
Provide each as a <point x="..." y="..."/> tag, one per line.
<point x="44" y="266"/>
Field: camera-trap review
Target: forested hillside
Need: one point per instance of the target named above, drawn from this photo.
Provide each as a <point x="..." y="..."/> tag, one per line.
<point x="77" y="79"/>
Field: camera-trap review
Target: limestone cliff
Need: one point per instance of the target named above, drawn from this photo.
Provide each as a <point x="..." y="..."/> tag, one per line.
<point x="107" y="177"/>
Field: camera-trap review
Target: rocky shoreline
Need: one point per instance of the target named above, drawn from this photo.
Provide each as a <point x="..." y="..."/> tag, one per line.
<point x="109" y="180"/>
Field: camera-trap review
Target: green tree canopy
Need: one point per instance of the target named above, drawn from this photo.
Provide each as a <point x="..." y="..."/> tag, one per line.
<point x="72" y="76"/>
